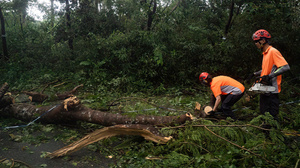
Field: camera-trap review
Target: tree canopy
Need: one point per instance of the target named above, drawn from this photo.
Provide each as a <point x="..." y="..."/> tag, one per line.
<point x="143" y="44"/>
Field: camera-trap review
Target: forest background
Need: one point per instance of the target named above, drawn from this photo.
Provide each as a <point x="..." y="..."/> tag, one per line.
<point x="146" y="46"/>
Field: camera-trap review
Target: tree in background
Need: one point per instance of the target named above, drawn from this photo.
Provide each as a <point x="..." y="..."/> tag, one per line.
<point x="148" y="43"/>
<point x="3" y="34"/>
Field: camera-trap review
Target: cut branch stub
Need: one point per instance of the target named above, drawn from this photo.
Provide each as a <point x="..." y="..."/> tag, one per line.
<point x="71" y="102"/>
<point x="202" y="111"/>
<point x="207" y="109"/>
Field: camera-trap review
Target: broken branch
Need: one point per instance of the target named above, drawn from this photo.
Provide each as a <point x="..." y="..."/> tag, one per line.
<point x="146" y="131"/>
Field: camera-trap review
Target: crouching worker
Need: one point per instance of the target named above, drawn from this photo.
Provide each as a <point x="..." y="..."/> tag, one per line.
<point x="226" y="90"/>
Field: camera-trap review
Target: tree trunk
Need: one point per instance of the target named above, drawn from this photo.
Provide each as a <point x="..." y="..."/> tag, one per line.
<point x="72" y="110"/>
<point x="3" y="34"/>
<point x="151" y="14"/>
<point x="52" y="14"/>
<point x="68" y="18"/>
<point x="230" y="18"/>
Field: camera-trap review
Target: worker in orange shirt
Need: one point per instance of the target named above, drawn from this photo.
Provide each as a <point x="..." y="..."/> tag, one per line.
<point x="273" y="65"/>
<point x="226" y="90"/>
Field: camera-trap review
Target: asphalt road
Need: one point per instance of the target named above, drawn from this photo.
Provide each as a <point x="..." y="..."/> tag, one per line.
<point x="32" y="154"/>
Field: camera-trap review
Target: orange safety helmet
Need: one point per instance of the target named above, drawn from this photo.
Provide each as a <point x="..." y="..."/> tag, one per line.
<point x="261" y="33"/>
<point x="205" y="78"/>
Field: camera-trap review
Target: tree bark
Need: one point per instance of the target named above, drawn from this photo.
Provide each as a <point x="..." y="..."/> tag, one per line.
<point x="3" y="34"/>
<point x="72" y="110"/>
<point x="230" y="18"/>
<point x="151" y="14"/>
<point x="68" y="18"/>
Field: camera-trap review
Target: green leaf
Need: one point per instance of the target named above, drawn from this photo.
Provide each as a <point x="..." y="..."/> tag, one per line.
<point x="43" y="165"/>
<point x="85" y="63"/>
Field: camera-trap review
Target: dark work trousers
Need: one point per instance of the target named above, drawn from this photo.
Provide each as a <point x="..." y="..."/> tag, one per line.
<point x="227" y="102"/>
<point x="269" y="103"/>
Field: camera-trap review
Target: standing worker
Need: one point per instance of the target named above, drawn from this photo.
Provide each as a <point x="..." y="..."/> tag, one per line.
<point x="273" y="65"/>
<point x="225" y="89"/>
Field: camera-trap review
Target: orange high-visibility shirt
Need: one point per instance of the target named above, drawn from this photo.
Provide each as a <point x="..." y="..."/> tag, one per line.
<point x="226" y="85"/>
<point x="272" y="60"/>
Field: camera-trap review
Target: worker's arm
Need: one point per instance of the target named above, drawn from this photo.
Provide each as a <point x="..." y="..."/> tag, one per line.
<point x="218" y="101"/>
<point x="257" y="73"/>
<point x="280" y="71"/>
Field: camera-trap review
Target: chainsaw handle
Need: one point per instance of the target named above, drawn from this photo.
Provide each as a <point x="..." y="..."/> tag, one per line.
<point x="257" y="79"/>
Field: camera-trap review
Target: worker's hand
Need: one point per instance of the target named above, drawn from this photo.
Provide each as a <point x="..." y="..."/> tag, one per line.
<point x="211" y="113"/>
<point x="265" y="79"/>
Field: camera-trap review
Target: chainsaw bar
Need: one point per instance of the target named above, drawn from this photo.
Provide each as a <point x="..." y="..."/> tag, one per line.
<point x="261" y="88"/>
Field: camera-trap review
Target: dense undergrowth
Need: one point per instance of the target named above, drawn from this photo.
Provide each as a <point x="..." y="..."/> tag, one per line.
<point x="222" y="143"/>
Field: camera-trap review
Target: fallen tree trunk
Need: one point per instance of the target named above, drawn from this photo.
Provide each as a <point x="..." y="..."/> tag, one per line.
<point x="146" y="131"/>
<point x="72" y="110"/>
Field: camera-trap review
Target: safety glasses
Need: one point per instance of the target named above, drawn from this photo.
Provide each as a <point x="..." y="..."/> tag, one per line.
<point x="256" y="41"/>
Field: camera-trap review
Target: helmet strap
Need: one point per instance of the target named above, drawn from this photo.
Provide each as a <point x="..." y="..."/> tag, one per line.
<point x="261" y="44"/>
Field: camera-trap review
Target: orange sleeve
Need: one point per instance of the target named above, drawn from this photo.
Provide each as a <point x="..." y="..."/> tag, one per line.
<point x="278" y="58"/>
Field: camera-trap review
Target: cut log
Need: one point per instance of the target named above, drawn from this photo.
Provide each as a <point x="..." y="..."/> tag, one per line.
<point x="148" y="132"/>
<point x="72" y="110"/>
<point x="202" y="111"/>
<point x="207" y="109"/>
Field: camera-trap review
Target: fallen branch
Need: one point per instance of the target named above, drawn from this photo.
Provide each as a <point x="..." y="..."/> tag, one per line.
<point x="36" y="97"/>
<point x="40" y="97"/>
<point x="62" y="96"/>
<point x="146" y="131"/>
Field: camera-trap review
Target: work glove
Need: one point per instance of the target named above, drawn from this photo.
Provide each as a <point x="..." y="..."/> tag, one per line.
<point x="265" y="80"/>
<point x="211" y="113"/>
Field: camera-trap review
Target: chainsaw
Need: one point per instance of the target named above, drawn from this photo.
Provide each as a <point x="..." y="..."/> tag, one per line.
<point x="261" y="88"/>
